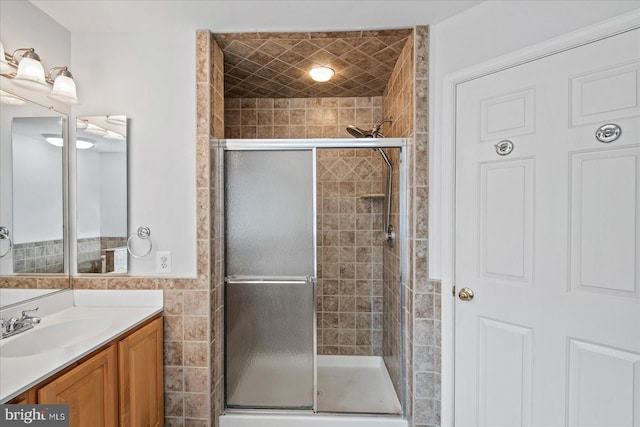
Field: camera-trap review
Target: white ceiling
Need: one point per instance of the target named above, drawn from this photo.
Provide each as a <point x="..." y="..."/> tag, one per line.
<point x="246" y="16"/>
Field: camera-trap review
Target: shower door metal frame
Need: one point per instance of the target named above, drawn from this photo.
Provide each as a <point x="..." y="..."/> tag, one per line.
<point x="313" y="144"/>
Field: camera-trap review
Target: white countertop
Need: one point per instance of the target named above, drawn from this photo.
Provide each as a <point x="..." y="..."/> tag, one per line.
<point x="119" y="312"/>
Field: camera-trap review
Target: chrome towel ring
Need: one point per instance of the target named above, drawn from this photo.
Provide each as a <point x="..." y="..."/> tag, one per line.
<point x="144" y="233"/>
<point x="4" y="235"/>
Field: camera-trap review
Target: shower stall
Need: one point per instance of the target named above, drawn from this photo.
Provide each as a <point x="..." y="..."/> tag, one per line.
<point x="315" y="235"/>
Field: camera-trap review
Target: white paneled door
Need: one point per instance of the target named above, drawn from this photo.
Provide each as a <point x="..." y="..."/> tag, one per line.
<point x="548" y="241"/>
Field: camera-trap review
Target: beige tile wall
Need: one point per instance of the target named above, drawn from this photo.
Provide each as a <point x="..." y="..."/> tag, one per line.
<point x="398" y="103"/>
<point x="406" y="99"/>
<point x="350" y="237"/>
<point x="299" y="117"/>
<point x="427" y="294"/>
<point x="35" y="282"/>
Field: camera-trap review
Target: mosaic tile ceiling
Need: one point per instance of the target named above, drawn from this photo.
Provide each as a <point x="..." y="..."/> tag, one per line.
<point x="275" y="65"/>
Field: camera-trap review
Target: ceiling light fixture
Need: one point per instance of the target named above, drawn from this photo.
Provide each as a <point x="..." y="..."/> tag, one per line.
<point x="24" y="68"/>
<point x="321" y="74"/>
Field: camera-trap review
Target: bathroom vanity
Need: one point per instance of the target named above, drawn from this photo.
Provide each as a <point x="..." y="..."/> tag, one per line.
<point x="102" y="356"/>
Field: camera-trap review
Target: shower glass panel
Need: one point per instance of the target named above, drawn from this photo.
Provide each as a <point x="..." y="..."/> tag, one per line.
<point x="270" y="277"/>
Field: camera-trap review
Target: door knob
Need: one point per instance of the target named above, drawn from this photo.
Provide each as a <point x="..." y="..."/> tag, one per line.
<point x="465" y="294"/>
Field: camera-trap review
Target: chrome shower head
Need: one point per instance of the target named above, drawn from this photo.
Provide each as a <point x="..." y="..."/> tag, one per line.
<point x="358" y="133"/>
<point x="374" y="133"/>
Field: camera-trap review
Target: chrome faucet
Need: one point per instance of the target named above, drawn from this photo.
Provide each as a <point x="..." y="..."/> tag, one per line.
<point x="15" y="325"/>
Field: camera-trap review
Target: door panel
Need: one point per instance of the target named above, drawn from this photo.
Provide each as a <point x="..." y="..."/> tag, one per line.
<point x="605" y="190"/>
<point x="548" y="239"/>
<point x="269" y="213"/>
<point x="270" y="345"/>
<point x="269" y="290"/>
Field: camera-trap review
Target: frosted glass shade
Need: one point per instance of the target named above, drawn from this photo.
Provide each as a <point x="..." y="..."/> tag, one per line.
<point x="30" y="75"/>
<point x="64" y="90"/>
<point x="5" y="68"/>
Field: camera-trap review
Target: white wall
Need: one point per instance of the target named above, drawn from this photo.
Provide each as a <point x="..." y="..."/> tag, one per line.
<point x="486" y="31"/>
<point x="150" y="77"/>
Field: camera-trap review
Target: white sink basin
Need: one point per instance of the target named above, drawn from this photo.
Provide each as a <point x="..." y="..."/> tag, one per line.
<point x="44" y="338"/>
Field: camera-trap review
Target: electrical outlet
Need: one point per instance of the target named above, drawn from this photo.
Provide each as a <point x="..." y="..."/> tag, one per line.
<point x="163" y="262"/>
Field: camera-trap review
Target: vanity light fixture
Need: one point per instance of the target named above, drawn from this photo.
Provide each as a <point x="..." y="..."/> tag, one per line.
<point x="64" y="88"/>
<point x="24" y="68"/>
<point x="30" y="72"/>
<point x="321" y="74"/>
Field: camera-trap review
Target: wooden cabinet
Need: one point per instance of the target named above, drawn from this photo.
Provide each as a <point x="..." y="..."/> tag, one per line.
<point x="90" y="390"/>
<point x="141" y="377"/>
<point x="26" y="398"/>
<point x="120" y="384"/>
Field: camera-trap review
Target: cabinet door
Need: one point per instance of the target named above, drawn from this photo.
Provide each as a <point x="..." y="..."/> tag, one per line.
<point x="141" y="377"/>
<point x="90" y="390"/>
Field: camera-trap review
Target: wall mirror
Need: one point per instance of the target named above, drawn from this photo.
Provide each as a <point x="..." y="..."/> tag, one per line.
<point x="101" y="175"/>
<point x="33" y="183"/>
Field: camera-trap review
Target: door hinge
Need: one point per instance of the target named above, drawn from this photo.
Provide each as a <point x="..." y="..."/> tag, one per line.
<point x="453" y="290"/>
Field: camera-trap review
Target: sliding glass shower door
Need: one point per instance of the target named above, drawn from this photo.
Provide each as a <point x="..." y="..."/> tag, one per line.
<point x="270" y="276"/>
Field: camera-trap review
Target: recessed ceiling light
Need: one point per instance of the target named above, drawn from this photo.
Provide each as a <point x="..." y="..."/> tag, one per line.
<point x="321" y="74"/>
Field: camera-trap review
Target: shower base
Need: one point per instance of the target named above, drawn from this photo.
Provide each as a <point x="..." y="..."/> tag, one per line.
<point x="353" y="385"/>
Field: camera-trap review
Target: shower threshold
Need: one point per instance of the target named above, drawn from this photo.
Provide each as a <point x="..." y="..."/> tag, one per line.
<point x="311" y="420"/>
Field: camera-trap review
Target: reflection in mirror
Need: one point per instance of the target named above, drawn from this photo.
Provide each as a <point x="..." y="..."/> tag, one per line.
<point x="101" y="143"/>
<point x="32" y="199"/>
